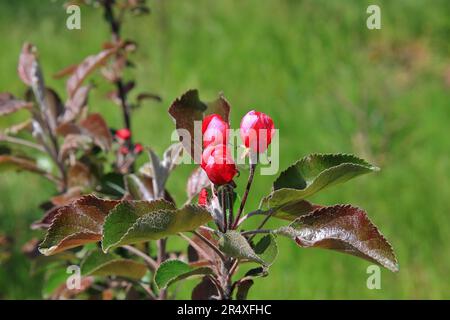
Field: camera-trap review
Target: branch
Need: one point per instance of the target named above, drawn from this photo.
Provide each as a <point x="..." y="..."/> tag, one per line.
<point x="256" y="231"/>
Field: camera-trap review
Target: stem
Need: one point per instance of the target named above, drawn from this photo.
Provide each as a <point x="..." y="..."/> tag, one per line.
<point x="161" y="257"/>
<point x="123" y="101"/>
<point x="211" y="245"/>
<point x="230" y="206"/>
<point x="263" y="223"/>
<point x="256" y="231"/>
<point x="161" y="249"/>
<point x="151" y="263"/>
<point x="244" y="198"/>
<point x="224" y="210"/>
<point x="109" y="16"/>
<point x="115" y="26"/>
<point x="255" y="213"/>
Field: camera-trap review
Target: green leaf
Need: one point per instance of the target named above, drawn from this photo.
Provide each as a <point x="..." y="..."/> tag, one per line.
<point x="235" y="245"/>
<point x="267" y="249"/>
<point x="311" y="174"/>
<point x="345" y="229"/>
<point x="54" y="279"/>
<point x="138" y="221"/>
<point x="100" y="264"/>
<point x="171" y="271"/>
<point x="76" y="224"/>
<point x="88" y="65"/>
<point x="294" y="210"/>
<point x="112" y="183"/>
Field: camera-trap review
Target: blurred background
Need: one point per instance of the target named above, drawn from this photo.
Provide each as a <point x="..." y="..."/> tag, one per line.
<point x="330" y="84"/>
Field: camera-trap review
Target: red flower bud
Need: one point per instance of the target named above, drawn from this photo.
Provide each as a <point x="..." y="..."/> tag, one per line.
<point x="218" y="164"/>
<point x="203" y="197"/>
<point x="138" y="148"/>
<point x="124" y="150"/>
<point x="257" y="130"/>
<point x="123" y="134"/>
<point x="214" y="130"/>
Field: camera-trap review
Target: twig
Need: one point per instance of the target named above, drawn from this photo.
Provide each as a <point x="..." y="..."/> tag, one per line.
<point x="256" y="232"/>
<point x="224" y="210"/>
<point x="244" y="198"/>
<point x="230" y="206"/>
<point x="249" y="215"/>
<point x="268" y="216"/>
<point x="150" y="262"/>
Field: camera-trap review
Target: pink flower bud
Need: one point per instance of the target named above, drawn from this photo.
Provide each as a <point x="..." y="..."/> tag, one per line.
<point x="218" y="164"/>
<point x="257" y="130"/>
<point x="214" y="130"/>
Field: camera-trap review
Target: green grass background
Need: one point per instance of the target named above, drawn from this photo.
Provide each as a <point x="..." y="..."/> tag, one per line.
<point x="330" y="84"/>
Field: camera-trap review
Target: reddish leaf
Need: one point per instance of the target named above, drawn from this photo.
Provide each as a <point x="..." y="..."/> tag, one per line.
<point x="69" y="196"/>
<point x="220" y="107"/>
<point x="79" y="175"/>
<point x="205" y="290"/>
<point x="196" y="182"/>
<point x="66" y="71"/>
<point x="75" y="104"/>
<point x="53" y="107"/>
<point x="86" y="67"/>
<point x="19" y="163"/>
<point x="185" y="111"/>
<point x="198" y="250"/>
<point x="96" y="127"/>
<point x="242" y="289"/>
<point x="76" y="224"/>
<point x="9" y="104"/>
<point x="73" y="142"/>
<point x="343" y="228"/>
<point x="57" y="201"/>
<point x="26" y="59"/>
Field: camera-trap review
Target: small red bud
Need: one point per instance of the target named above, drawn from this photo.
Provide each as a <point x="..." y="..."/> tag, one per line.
<point x="203" y="197"/>
<point x="214" y="130"/>
<point x="123" y="134"/>
<point x="257" y="130"/>
<point x="218" y="164"/>
<point x="124" y="150"/>
<point x="138" y="148"/>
